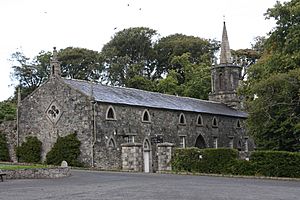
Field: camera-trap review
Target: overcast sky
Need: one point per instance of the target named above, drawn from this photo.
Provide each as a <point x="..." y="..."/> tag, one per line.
<point x="35" y="25"/>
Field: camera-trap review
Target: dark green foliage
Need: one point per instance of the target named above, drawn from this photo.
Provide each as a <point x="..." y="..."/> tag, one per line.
<point x="204" y="160"/>
<point x="242" y="167"/>
<point x="186" y="159"/>
<point x="30" y="150"/>
<point x="225" y="161"/>
<point x="7" y="111"/>
<point x="276" y="163"/>
<point x="217" y="161"/>
<point x="4" y="154"/>
<point x="66" y="148"/>
<point x="272" y="85"/>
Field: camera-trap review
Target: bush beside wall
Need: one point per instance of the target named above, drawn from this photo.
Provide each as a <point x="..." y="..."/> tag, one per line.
<point x="276" y="163"/>
<point x="204" y="160"/>
<point x="225" y="161"/>
<point x="66" y="148"/>
<point x="30" y="150"/>
<point x="4" y="153"/>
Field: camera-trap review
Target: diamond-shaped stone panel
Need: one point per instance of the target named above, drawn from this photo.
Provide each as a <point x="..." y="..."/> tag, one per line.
<point x="53" y="112"/>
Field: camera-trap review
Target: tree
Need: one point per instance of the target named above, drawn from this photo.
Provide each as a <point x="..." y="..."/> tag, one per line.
<point x="7" y="110"/>
<point x="30" y="73"/>
<point x="274" y="118"/>
<point x="197" y="77"/>
<point x="79" y="63"/>
<point x="169" y="85"/>
<point x="128" y="54"/>
<point x="272" y="88"/>
<point x="200" y="51"/>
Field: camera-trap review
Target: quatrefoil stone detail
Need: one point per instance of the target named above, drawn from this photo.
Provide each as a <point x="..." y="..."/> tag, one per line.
<point x="53" y="112"/>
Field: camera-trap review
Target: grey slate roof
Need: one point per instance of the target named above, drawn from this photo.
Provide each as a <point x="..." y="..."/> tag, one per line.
<point x="135" y="97"/>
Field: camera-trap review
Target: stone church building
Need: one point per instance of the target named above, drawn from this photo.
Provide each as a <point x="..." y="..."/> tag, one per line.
<point x="123" y="128"/>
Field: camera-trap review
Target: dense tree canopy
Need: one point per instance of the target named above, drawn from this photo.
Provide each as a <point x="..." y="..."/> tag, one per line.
<point x="81" y="63"/>
<point x="200" y="51"/>
<point x="76" y="63"/>
<point x="272" y="87"/>
<point x="129" y="54"/>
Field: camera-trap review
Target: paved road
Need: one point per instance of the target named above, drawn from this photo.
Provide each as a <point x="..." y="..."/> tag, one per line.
<point x="138" y="186"/>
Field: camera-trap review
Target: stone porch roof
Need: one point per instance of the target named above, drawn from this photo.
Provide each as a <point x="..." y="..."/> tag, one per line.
<point x="135" y="97"/>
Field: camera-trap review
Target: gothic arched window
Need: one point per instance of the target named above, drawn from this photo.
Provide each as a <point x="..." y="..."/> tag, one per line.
<point x="111" y="143"/>
<point x="199" y="120"/>
<point x="182" y="120"/>
<point x="238" y="124"/>
<point x="146" y="116"/>
<point x="214" y="122"/>
<point x="110" y="113"/>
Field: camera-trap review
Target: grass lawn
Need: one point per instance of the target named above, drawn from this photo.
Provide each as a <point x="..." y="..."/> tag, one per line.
<point x="16" y="167"/>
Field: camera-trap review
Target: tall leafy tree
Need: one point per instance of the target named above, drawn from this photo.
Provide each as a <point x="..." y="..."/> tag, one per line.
<point x="272" y="87"/>
<point x="78" y="63"/>
<point x="81" y="63"/>
<point x="129" y="54"/>
<point x="200" y="51"/>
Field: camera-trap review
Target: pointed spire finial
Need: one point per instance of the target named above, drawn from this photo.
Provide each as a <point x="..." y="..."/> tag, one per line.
<point x="225" y="56"/>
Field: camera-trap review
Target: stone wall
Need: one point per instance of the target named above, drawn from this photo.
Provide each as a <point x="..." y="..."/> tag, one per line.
<point x="9" y="129"/>
<point x="163" y="127"/>
<point x="58" y="172"/>
<point x="132" y="157"/>
<point x="164" y="153"/>
<point x="56" y="110"/>
<point x="74" y="113"/>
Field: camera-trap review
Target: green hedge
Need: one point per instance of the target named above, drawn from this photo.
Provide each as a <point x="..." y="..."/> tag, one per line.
<point x="4" y="154"/>
<point x="203" y="160"/>
<point x="66" y="148"/>
<point x="225" y="161"/>
<point x="30" y="150"/>
<point x="276" y="163"/>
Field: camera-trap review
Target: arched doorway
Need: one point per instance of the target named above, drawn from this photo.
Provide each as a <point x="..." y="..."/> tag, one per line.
<point x="200" y="142"/>
<point x="147" y="150"/>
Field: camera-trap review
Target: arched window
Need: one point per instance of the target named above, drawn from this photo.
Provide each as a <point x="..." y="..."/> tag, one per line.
<point x="239" y="145"/>
<point x="110" y="113"/>
<point x="111" y="143"/>
<point x="238" y="124"/>
<point x="200" y="142"/>
<point x="199" y="120"/>
<point x="220" y="81"/>
<point x="146" y="145"/>
<point x="146" y="116"/>
<point x="214" y="122"/>
<point x="182" y="120"/>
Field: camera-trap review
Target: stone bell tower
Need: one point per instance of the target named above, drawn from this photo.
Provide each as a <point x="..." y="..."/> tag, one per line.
<point x="225" y="77"/>
<point x="55" y="65"/>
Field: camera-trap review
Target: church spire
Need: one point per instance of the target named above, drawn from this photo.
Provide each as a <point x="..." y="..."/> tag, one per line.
<point x="225" y="77"/>
<point x="225" y="56"/>
<point x="54" y="64"/>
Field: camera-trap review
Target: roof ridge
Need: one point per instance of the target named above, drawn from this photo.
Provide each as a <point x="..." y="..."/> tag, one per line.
<point x="128" y="88"/>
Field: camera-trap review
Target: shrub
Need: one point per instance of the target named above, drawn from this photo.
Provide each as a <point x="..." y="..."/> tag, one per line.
<point x="276" y="163"/>
<point x="30" y="150"/>
<point x="242" y="167"/>
<point x="204" y="160"/>
<point x="217" y="161"/>
<point x="66" y="148"/>
<point x="4" y="154"/>
<point x="186" y="159"/>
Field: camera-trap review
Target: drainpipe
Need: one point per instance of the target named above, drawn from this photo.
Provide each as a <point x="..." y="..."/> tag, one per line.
<point x="18" y="106"/>
<point x="94" y="131"/>
<point x="93" y="102"/>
